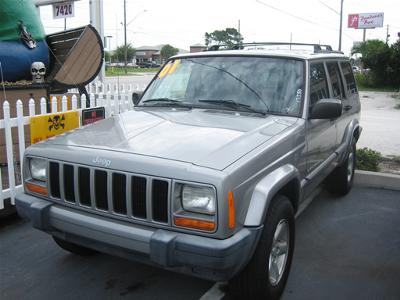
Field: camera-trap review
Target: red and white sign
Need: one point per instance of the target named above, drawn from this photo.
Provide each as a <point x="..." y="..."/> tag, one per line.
<point x="363" y="21"/>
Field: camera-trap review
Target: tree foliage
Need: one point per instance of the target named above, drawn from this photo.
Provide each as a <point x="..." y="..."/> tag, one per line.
<point x="107" y="56"/>
<point x="229" y="37"/>
<point x="167" y="51"/>
<point x="119" y="53"/>
<point x="382" y="60"/>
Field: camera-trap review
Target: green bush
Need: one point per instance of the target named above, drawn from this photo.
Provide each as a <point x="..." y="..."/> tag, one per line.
<point x="368" y="159"/>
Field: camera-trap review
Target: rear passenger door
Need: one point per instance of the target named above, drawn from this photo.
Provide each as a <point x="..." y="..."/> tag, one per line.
<point x="351" y="104"/>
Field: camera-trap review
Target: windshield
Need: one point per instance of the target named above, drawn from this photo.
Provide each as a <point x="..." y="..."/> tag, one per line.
<point x="252" y="84"/>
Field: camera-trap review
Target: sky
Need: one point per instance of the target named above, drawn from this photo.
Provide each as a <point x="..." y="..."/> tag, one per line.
<point x="183" y="23"/>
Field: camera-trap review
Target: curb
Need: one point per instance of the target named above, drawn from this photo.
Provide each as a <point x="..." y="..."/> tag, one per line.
<point x="377" y="180"/>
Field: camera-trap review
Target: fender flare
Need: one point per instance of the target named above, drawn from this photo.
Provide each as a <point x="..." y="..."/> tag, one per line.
<point x="266" y="189"/>
<point x="348" y="137"/>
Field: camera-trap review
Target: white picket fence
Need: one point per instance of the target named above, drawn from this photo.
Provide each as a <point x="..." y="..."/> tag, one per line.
<point x="115" y="99"/>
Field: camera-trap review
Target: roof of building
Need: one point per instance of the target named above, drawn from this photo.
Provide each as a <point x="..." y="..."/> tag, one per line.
<point x="198" y="45"/>
<point x="158" y="48"/>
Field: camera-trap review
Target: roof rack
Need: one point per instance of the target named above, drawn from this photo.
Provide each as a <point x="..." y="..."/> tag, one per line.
<point x="318" y="48"/>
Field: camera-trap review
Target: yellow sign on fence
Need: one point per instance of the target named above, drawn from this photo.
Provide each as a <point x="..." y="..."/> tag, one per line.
<point x="46" y="126"/>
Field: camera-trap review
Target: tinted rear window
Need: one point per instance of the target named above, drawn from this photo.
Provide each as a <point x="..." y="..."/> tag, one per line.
<point x="349" y="78"/>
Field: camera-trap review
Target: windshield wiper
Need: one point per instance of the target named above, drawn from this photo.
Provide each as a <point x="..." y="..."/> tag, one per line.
<point x="232" y="104"/>
<point x="165" y="102"/>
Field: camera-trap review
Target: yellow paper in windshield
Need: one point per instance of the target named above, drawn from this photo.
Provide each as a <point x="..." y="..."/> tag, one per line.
<point x="169" y="68"/>
<point x="174" y="66"/>
<point x="164" y="71"/>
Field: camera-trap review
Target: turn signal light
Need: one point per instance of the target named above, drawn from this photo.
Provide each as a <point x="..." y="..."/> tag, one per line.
<point x="38" y="189"/>
<point x="195" y="224"/>
<point x="231" y="209"/>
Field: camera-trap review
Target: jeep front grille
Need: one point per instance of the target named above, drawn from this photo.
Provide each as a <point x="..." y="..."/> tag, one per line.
<point x="132" y="196"/>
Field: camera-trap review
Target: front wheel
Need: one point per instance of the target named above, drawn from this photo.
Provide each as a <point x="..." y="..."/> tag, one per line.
<point x="267" y="272"/>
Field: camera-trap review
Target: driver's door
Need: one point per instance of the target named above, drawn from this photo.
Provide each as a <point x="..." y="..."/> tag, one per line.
<point x="321" y="134"/>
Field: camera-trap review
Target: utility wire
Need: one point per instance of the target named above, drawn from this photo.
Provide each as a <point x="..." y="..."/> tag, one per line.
<point x="330" y="8"/>
<point x="300" y="18"/>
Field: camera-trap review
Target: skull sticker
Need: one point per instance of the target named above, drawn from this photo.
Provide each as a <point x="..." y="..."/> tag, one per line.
<point x="56" y="122"/>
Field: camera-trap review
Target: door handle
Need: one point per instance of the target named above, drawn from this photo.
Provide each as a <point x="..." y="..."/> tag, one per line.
<point x="348" y="107"/>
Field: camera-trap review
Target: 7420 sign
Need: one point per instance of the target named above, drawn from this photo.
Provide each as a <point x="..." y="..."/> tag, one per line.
<point x="63" y="10"/>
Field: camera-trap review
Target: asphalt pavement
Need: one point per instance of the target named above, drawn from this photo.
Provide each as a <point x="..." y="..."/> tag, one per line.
<point x="380" y="122"/>
<point x="346" y="248"/>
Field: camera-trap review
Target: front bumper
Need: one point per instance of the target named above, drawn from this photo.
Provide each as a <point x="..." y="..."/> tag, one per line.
<point x="196" y="255"/>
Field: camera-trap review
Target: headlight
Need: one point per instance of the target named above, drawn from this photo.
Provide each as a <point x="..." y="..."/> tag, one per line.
<point x="38" y="169"/>
<point x="198" y="199"/>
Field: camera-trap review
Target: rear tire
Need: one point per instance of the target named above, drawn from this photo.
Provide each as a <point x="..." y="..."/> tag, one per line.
<point x="266" y="274"/>
<point x="341" y="180"/>
<point x="74" y="248"/>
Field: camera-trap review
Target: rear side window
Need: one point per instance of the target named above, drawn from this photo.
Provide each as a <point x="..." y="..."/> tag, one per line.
<point x="336" y="80"/>
<point x="318" y="83"/>
<point x="349" y="77"/>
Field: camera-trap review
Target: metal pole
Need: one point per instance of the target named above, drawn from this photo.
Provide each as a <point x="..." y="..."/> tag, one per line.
<point x="125" y="47"/>
<point x="340" y="27"/>
<point x="65" y="24"/>
<point x="96" y="20"/>
<point x="387" y="34"/>
<point x="364" y="34"/>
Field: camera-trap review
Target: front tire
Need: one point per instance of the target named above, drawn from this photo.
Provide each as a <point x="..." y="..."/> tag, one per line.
<point x="266" y="274"/>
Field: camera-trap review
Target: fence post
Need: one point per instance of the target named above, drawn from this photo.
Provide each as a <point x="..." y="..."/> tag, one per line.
<point x="83" y="101"/>
<point x="31" y="107"/>
<point x="9" y="150"/>
<point x="21" y="134"/>
<point x="108" y="104"/>
<point x="1" y="192"/>
<point x="54" y="105"/>
<point x="92" y="100"/>
<point x="64" y="103"/>
<point x="75" y="102"/>
<point x="99" y="100"/>
<point x="43" y="106"/>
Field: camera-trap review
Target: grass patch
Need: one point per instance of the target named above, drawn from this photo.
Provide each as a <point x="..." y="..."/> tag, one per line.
<point x="368" y="159"/>
<point x="365" y="84"/>
<point x="120" y="71"/>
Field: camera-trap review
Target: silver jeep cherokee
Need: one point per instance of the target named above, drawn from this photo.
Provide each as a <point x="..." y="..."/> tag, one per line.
<point x="205" y="175"/>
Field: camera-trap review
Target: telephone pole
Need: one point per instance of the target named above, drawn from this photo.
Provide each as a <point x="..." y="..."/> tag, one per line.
<point x="387" y="34"/>
<point x="125" y="46"/>
<point x="340" y="27"/>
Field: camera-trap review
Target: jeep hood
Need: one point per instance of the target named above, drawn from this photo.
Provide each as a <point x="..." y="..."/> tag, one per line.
<point x="208" y="138"/>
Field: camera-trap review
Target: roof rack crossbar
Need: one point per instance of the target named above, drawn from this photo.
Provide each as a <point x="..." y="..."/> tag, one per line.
<point x="318" y="48"/>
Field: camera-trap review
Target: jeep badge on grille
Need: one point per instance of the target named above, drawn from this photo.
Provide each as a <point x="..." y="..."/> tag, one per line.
<point x="101" y="161"/>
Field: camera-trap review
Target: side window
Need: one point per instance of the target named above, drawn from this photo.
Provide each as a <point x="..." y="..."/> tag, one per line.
<point x="318" y="83"/>
<point x="336" y="80"/>
<point x="349" y="77"/>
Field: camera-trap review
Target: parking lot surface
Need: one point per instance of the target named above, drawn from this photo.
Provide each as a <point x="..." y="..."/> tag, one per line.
<point x="346" y="248"/>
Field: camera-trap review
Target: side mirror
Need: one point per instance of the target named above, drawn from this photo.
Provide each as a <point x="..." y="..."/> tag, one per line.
<point x="136" y="96"/>
<point x="326" y="109"/>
